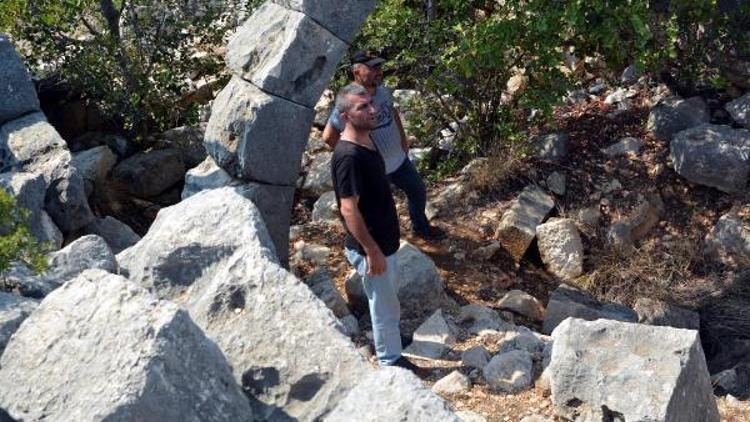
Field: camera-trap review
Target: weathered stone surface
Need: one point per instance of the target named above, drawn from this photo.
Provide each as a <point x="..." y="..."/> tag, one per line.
<point x="93" y="165"/>
<point x="521" y="339"/>
<point x="248" y="126"/>
<point x="518" y="226"/>
<point x="342" y="18"/>
<point x="310" y="252"/>
<point x="674" y="114"/>
<point x="603" y="369"/>
<point x="729" y="241"/>
<point x="635" y="226"/>
<point x="420" y="288"/>
<point x="13" y="310"/>
<point x="625" y="146"/>
<point x="323" y="109"/>
<point x="476" y="357"/>
<point x="101" y="348"/>
<point x="567" y="301"/>
<point x="590" y="216"/>
<point x="433" y="338"/>
<point x="207" y="175"/>
<point x="29" y="191"/>
<point x="561" y="248"/>
<point x="149" y="173"/>
<point x="326" y="209"/>
<point x="482" y="319"/>
<point x="213" y="253"/>
<point x="713" y="155"/>
<point x="510" y="371"/>
<point x="391" y="394"/>
<point x="469" y="416"/>
<point x="118" y="235"/>
<point x="656" y="312"/>
<point x="522" y="303"/>
<point x="87" y="252"/>
<point x="556" y="183"/>
<point x="318" y="179"/>
<point x="551" y="147"/>
<point x="275" y="206"/>
<point x="17" y="92"/>
<point x="296" y="61"/>
<point x="453" y="383"/>
<point x="321" y="284"/>
<point x="739" y="109"/>
<point x="32" y="145"/>
<point x="189" y="141"/>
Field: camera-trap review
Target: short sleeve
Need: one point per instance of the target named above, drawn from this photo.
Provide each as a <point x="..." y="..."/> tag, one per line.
<point x="335" y="120"/>
<point x="348" y="177"/>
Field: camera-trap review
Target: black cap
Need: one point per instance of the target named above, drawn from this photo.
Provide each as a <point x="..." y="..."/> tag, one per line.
<point x="367" y="58"/>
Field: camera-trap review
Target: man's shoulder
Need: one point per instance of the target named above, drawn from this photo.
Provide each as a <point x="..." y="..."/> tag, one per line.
<point x="383" y="93"/>
<point x="344" y="150"/>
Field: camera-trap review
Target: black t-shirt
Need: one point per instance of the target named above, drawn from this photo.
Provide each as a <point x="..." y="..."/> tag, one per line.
<point x="359" y="171"/>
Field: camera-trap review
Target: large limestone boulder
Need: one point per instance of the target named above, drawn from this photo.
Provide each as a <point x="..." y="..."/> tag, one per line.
<point x="729" y="241"/>
<point x="17" y="92"/>
<point x="713" y="155"/>
<point x="561" y="248"/>
<point x="568" y="301"/>
<point x="610" y="370"/>
<point x="207" y="175"/>
<point x="739" y="109"/>
<point x="420" y="289"/>
<point x="674" y="114"/>
<point x="118" y="235"/>
<point x="342" y="18"/>
<point x="32" y="145"/>
<point x="391" y="394"/>
<point x="102" y="348"/>
<point x="297" y="59"/>
<point x="149" y="173"/>
<point x="213" y="254"/>
<point x="248" y="126"/>
<point x="13" y="310"/>
<point x="517" y="228"/>
<point x="87" y="252"/>
<point x="29" y="191"/>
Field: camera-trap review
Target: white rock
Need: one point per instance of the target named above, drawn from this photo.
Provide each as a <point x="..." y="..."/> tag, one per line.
<point x="453" y="383"/>
<point x="509" y="372"/>
<point x="13" y="310"/>
<point x="326" y="209"/>
<point x="522" y="303"/>
<point x="561" y="248"/>
<point x="518" y="226"/>
<point x="433" y="338"/>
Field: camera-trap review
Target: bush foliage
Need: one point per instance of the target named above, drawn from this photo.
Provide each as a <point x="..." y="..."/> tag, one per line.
<point x="16" y="241"/>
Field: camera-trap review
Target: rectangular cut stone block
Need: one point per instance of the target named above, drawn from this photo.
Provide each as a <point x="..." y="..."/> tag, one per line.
<point x="342" y="17"/>
<point x="518" y="225"/>
<point x="101" y="348"/>
<point x="609" y="370"/>
<point x="255" y="136"/>
<point x="286" y="53"/>
<point x="17" y="93"/>
<point x="275" y="206"/>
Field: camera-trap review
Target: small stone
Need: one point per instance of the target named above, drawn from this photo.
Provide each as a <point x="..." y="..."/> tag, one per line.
<point x="476" y="357"/>
<point x="522" y="303"/>
<point x="433" y="338"/>
<point x="509" y="372"/>
<point x="590" y="215"/>
<point x="453" y="383"/>
<point x="556" y="183"/>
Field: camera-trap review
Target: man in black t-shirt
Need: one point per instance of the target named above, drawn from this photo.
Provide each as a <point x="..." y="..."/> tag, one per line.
<point x="369" y="216"/>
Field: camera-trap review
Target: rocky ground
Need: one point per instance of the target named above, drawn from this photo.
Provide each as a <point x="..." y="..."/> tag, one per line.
<point x="612" y="183"/>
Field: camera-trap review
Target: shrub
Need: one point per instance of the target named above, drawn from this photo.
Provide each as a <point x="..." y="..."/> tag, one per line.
<point x="16" y="241"/>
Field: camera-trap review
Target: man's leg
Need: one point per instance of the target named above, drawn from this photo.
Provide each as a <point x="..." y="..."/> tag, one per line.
<point x="385" y="310"/>
<point x="408" y="180"/>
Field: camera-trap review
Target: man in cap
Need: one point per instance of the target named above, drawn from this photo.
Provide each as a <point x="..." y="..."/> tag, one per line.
<point x="390" y="141"/>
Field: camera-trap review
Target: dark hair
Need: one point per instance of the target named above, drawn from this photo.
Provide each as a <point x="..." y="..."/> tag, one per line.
<point x="343" y="104"/>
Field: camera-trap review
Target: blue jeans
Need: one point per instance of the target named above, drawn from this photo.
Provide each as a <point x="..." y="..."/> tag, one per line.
<point x="408" y="180"/>
<point x="385" y="310"/>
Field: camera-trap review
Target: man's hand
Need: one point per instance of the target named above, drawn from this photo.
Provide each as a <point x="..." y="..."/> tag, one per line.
<point x="376" y="263"/>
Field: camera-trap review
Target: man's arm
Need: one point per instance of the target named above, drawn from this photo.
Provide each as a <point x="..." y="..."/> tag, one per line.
<point x="376" y="264"/>
<point x="331" y="136"/>
<point x="402" y="133"/>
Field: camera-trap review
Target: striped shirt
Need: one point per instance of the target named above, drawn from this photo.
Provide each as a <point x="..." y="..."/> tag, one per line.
<point x="386" y="136"/>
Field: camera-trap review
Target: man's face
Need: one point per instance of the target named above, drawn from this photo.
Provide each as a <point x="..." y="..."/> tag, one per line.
<point x="363" y="113"/>
<point x="368" y="76"/>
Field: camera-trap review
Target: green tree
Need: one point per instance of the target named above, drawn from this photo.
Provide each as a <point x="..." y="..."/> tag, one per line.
<point x="17" y="244"/>
<point x="135" y="58"/>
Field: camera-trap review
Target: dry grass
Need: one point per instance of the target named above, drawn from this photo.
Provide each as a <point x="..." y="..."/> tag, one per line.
<point x="498" y="169"/>
<point x="727" y="314"/>
<point x="658" y="269"/>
